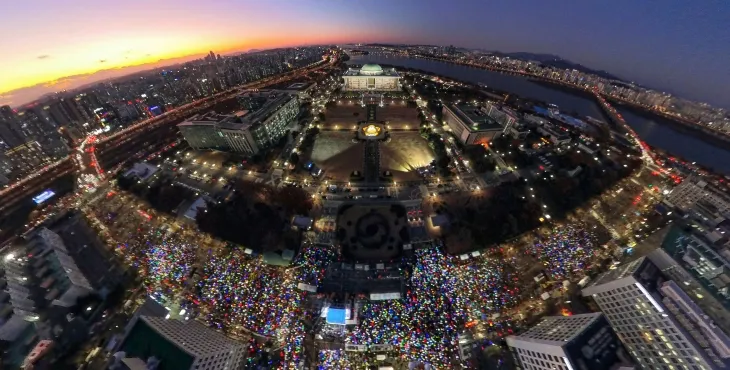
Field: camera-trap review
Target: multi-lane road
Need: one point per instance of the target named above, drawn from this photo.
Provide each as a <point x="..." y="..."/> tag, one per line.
<point x="99" y="156"/>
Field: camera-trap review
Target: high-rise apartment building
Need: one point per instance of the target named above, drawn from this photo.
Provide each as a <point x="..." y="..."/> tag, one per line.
<point x="578" y="342"/>
<point x="10" y="133"/>
<point x="25" y="158"/>
<point x="661" y="325"/>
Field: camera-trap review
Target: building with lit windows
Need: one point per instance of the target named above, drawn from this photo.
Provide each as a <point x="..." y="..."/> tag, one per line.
<point x="22" y="159"/>
<point x="690" y="191"/>
<point x="578" y="342"/>
<point x="265" y="122"/>
<point x="661" y="325"/>
<point x="473" y="124"/>
<point x="555" y="134"/>
<point x="201" y="132"/>
<point x="371" y="77"/>
<point x="704" y="254"/>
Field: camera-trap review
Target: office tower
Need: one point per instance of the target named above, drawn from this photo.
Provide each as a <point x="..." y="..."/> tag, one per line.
<point x="178" y="344"/>
<point x="578" y="342"/>
<point x="470" y="123"/>
<point x="25" y="158"/>
<point x="77" y="261"/>
<point x="10" y="133"/>
<point x="58" y="114"/>
<point x="661" y="325"/>
<point x="38" y="128"/>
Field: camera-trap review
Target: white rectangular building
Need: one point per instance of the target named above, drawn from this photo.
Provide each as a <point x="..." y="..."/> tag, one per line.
<point x="569" y="343"/>
<point x="182" y="345"/>
<point x="690" y="191"/>
<point x="473" y="124"/>
<point x="371" y="77"/>
<point x="265" y="122"/>
<point x="658" y="323"/>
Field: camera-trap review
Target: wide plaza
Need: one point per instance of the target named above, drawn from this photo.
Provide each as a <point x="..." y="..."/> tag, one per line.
<point x="337" y="153"/>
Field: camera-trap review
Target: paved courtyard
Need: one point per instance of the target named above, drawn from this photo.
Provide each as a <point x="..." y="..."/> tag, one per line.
<point x="405" y="152"/>
<point x="336" y="154"/>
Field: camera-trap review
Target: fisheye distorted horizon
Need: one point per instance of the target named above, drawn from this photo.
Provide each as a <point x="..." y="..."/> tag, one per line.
<point x="681" y="48"/>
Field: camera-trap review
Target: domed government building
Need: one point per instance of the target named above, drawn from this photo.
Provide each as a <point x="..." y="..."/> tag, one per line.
<point x="371" y="77"/>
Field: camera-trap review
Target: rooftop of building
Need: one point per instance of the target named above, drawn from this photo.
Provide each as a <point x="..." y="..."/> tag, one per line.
<point x="198" y="204"/>
<point x="372" y="70"/>
<point x="209" y="118"/>
<point x="244" y="118"/>
<point x="620" y="272"/>
<point x="143" y="170"/>
<point x="150" y="307"/>
<point x="559" y="330"/>
<point x="555" y="131"/>
<point x="299" y="86"/>
<point x="474" y="116"/>
<point x="145" y="340"/>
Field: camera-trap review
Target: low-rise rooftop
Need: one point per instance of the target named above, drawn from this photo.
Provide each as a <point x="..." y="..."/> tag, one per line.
<point x="244" y="118"/>
<point x="475" y="117"/>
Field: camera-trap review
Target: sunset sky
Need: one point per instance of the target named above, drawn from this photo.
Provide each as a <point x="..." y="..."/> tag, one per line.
<point x="682" y="47"/>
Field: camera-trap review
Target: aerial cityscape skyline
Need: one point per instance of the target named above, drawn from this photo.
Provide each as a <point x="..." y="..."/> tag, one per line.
<point x="290" y="185"/>
<point x="667" y="51"/>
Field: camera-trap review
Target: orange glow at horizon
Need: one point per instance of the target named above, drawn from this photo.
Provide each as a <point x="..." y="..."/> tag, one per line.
<point x="85" y="63"/>
<point x="53" y="46"/>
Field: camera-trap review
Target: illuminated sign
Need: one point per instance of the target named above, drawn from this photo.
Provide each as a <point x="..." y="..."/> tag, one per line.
<point x="44" y="196"/>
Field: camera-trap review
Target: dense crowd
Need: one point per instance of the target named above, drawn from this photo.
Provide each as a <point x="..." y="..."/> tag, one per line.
<point x="426" y="324"/>
<point x="239" y="289"/>
<point x="163" y="259"/>
<point x="565" y="251"/>
<point x="493" y="285"/>
<point x="442" y="297"/>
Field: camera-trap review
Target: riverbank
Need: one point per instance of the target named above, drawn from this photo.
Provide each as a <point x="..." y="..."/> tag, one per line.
<point x="658" y="133"/>
<point x="721" y="142"/>
<point x="713" y="136"/>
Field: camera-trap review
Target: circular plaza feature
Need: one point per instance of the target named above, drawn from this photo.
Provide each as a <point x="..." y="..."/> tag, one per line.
<point x="372" y="232"/>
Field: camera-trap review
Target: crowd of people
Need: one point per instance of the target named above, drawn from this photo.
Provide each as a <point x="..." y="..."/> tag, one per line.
<point x="342" y="360"/>
<point x="443" y="295"/>
<point x="163" y="259"/>
<point x="334" y="359"/>
<point x="494" y="284"/>
<point x="235" y="288"/>
<point x="425" y="325"/>
<point x="564" y="251"/>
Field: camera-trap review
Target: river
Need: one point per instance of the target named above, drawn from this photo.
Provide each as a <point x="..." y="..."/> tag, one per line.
<point x="655" y="131"/>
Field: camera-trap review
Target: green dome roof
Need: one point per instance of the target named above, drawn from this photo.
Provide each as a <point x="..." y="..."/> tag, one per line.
<point x="371" y="68"/>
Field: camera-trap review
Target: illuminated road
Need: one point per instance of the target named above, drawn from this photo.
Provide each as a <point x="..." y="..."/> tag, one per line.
<point x="95" y="146"/>
<point x="84" y="162"/>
